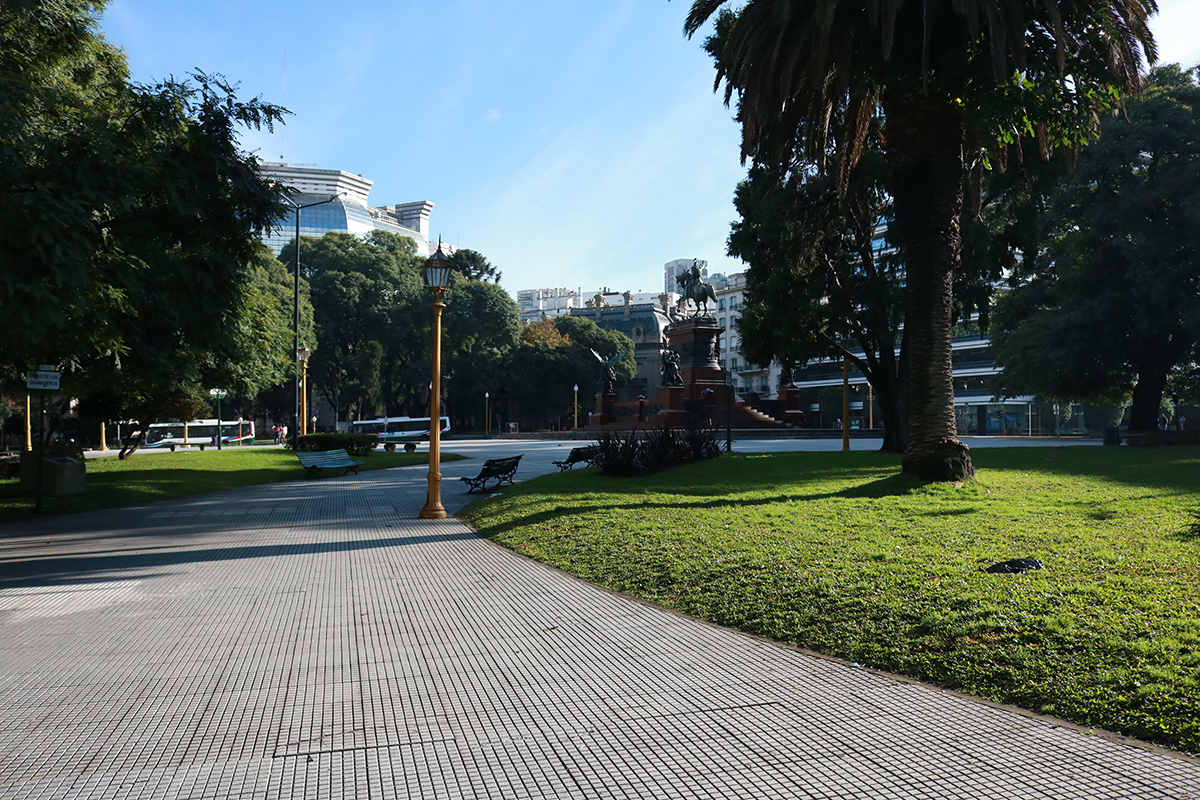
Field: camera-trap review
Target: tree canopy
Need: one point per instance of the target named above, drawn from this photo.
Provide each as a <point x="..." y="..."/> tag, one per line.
<point x="129" y="216"/>
<point x="820" y="283"/>
<point x="956" y="83"/>
<point x="553" y="357"/>
<point x="1113" y="306"/>
<point x="374" y="327"/>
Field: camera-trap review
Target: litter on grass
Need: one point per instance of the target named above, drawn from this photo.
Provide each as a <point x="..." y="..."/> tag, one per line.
<point x="1014" y="566"/>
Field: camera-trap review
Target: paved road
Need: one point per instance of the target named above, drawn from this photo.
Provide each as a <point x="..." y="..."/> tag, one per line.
<point x="314" y="639"/>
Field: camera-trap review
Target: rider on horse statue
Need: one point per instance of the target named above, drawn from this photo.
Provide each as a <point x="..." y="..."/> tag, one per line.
<point x="693" y="287"/>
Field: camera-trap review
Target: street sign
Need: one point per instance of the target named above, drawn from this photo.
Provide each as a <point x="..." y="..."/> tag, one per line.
<point x="41" y="379"/>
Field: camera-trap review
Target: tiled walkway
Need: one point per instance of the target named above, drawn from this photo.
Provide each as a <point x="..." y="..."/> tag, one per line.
<point x="314" y="639"/>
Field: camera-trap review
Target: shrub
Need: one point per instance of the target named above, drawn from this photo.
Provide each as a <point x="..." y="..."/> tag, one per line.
<point x="654" y="450"/>
<point x="356" y="444"/>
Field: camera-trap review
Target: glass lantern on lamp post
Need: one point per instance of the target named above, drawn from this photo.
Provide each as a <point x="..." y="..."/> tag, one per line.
<point x="437" y="279"/>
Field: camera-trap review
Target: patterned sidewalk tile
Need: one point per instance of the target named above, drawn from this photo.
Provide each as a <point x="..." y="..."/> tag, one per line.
<point x="315" y="640"/>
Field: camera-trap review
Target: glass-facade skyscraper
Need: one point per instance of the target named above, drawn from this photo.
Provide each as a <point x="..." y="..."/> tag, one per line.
<point x="349" y="213"/>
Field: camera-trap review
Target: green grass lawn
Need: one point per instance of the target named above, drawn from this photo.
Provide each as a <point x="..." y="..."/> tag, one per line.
<point x="839" y="553"/>
<point x="146" y="477"/>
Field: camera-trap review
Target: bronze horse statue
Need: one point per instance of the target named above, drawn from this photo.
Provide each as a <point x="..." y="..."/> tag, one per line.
<point x="696" y="289"/>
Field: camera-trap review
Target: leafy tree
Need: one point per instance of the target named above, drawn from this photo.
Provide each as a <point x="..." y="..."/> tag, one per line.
<point x="586" y="336"/>
<point x="129" y="217"/>
<point x="474" y="266"/>
<point x="374" y="325"/>
<point x="541" y="368"/>
<point x="480" y="327"/>
<point x="1116" y="308"/>
<point x="955" y="82"/>
<point x="553" y="357"/>
<point x="818" y="285"/>
<point x="364" y="290"/>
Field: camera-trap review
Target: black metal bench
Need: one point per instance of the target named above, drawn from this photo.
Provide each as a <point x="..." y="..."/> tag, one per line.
<point x="579" y="455"/>
<point x="328" y="459"/>
<point x="502" y="469"/>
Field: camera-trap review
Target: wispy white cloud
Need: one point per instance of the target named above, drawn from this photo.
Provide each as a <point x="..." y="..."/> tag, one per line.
<point x="608" y="201"/>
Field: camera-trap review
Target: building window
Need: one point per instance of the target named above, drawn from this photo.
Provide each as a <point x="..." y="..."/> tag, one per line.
<point x="721" y="304"/>
<point x="733" y="302"/>
<point x="721" y="322"/>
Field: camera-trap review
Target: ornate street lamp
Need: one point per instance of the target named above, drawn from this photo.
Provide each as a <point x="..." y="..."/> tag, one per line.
<point x="302" y="355"/>
<point x="576" y="406"/>
<point x="437" y="279"/>
<point x="487" y="421"/>
<point x="218" y="394"/>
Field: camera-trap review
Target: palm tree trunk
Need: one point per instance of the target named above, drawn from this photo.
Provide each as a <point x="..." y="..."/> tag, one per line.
<point x="924" y="142"/>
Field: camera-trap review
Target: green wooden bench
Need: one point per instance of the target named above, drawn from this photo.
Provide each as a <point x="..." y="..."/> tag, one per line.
<point x="579" y="455"/>
<point x="328" y="459"/>
<point x="502" y="469"/>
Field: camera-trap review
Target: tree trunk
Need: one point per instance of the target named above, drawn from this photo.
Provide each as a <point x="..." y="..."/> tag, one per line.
<point x="891" y="392"/>
<point x="924" y="142"/>
<point x="1152" y="371"/>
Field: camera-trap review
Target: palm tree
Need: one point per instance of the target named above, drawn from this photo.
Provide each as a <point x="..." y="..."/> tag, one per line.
<point x="958" y="83"/>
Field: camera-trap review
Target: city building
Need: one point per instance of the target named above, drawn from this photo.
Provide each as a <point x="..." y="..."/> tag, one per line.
<point x="350" y="213"/>
<point x="533" y="304"/>
<point x="644" y="319"/>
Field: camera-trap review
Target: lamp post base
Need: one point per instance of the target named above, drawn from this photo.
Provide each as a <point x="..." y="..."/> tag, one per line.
<point x="433" y="506"/>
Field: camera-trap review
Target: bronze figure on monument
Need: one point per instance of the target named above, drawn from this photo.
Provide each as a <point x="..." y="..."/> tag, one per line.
<point x="694" y="288"/>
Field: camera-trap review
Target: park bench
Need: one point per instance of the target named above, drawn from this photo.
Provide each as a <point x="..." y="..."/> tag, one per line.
<point x="502" y="469"/>
<point x="578" y="455"/>
<point x="327" y="459"/>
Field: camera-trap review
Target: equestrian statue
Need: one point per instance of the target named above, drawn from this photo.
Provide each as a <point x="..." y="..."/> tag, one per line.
<point x="695" y="288"/>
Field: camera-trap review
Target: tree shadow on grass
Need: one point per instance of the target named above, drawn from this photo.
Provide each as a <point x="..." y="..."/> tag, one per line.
<point x="891" y="486"/>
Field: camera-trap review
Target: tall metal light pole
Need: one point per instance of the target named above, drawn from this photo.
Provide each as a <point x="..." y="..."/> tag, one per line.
<point x="487" y="420"/>
<point x="296" y="302"/>
<point x="437" y="278"/>
<point x="218" y="395"/>
<point x="576" y="407"/>
<point x="302" y="355"/>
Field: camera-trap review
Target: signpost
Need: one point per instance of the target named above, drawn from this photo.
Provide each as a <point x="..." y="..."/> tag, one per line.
<point x="44" y="377"/>
<point x="42" y="380"/>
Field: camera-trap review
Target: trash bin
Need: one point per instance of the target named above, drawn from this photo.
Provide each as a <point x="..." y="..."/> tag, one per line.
<point x="1112" y="435"/>
<point x="61" y="475"/>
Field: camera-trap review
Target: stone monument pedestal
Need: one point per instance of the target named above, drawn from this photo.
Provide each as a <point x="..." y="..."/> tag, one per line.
<point x="605" y="401"/>
<point x="789" y="406"/>
<point x="697" y="342"/>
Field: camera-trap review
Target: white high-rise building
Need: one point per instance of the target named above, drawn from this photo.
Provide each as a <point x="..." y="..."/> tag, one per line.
<point x="349" y="213"/>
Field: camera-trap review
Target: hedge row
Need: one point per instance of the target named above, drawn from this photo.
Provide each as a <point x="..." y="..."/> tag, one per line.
<point x="356" y="444"/>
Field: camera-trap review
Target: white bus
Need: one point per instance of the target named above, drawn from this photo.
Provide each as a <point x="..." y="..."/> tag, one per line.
<point x="398" y="429"/>
<point x="200" y="432"/>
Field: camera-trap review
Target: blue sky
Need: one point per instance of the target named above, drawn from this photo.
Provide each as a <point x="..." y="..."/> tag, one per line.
<point x="575" y="144"/>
